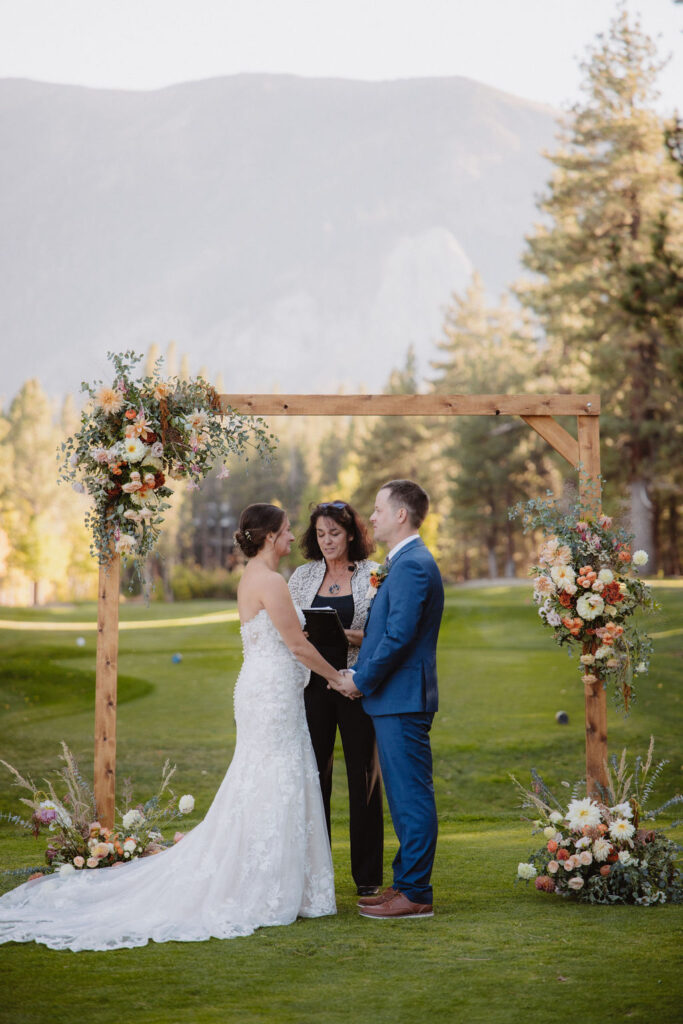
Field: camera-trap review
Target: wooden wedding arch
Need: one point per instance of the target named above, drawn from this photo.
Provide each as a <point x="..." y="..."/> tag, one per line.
<point x="538" y="411"/>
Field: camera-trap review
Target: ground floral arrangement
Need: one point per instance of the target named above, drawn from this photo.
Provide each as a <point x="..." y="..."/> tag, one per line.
<point x="587" y="588"/>
<point x="77" y="840"/>
<point x="138" y="435"/>
<point x="605" y="851"/>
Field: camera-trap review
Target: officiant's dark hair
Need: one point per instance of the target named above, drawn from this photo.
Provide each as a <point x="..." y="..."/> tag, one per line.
<point x="256" y="522"/>
<point x="410" y="496"/>
<point x="345" y="516"/>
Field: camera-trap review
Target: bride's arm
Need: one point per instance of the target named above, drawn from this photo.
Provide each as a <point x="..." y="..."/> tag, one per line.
<point x="278" y="604"/>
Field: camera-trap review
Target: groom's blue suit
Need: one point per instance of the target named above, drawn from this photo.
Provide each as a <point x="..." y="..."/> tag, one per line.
<point x="396" y="673"/>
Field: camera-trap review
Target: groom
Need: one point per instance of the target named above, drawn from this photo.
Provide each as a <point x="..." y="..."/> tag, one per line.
<point x="396" y="676"/>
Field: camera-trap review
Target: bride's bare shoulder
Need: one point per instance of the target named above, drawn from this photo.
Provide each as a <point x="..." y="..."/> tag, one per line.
<point x="257" y="589"/>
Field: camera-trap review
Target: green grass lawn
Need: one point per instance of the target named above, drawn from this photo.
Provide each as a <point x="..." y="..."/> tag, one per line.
<point x="494" y="952"/>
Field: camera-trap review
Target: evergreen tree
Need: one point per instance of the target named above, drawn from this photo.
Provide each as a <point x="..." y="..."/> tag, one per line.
<point x="394" y="447"/>
<point x="34" y="509"/>
<point x="488" y="465"/>
<point x="611" y="186"/>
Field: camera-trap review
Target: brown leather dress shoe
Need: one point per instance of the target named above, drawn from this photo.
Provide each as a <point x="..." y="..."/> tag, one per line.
<point x="376" y="901"/>
<point x="397" y="907"/>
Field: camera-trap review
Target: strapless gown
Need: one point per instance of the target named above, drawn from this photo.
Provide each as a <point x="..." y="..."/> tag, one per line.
<point x="260" y="857"/>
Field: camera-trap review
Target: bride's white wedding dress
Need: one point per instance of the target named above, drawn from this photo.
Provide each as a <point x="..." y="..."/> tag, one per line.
<point x="261" y="856"/>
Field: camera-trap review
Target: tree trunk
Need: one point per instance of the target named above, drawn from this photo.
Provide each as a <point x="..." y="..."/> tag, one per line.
<point x="642" y="521"/>
<point x="510" y="556"/>
<point x="466" y="565"/>
<point x="674" y="566"/>
<point x="493" y="561"/>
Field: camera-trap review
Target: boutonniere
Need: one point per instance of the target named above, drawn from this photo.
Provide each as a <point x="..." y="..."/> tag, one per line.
<point x="377" y="578"/>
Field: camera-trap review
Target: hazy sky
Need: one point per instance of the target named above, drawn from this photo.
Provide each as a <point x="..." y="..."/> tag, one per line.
<point x="526" y="47"/>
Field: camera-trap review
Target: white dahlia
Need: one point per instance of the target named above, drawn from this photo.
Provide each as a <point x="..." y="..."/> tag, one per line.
<point x="601" y="850"/>
<point x="583" y="812"/>
<point x="621" y="829"/>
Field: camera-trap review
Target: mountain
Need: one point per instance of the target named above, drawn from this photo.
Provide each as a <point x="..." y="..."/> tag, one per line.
<point x="287" y="232"/>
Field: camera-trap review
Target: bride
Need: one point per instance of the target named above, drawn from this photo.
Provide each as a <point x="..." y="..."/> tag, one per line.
<point x="261" y="856"/>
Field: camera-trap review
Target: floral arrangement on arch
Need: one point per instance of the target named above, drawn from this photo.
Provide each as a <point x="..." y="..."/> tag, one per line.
<point x="587" y="588"/>
<point x="77" y="839"/>
<point x="141" y="437"/>
<point x="605" y="851"/>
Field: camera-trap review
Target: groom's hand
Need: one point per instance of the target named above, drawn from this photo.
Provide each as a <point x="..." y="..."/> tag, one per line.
<point x="344" y="684"/>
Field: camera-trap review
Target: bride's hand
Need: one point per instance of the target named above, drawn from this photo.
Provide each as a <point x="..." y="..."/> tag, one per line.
<point x="343" y="683"/>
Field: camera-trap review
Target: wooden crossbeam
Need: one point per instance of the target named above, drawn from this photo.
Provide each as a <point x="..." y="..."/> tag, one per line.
<point x="414" y="405"/>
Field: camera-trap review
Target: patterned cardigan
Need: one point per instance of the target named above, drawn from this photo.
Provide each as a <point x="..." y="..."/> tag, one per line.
<point x="304" y="584"/>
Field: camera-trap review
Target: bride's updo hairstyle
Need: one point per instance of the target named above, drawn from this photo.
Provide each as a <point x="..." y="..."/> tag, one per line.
<point x="256" y="522"/>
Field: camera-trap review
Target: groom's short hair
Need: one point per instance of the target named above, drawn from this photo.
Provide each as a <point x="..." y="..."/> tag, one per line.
<point x="410" y="496"/>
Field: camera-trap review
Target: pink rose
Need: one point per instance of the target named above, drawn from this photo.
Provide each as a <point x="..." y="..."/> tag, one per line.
<point x="585" y="858"/>
<point x="79" y="861"/>
<point x="575" y="883"/>
<point x="92" y="862"/>
<point x="553" y="867"/>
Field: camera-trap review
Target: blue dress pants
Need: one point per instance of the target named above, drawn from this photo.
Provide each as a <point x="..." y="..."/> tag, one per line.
<point x="405" y="757"/>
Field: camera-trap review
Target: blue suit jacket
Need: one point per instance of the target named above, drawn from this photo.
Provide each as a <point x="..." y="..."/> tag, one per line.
<point x="396" y="668"/>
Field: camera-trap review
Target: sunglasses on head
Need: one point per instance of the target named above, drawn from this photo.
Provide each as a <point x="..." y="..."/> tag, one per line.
<point x="333" y="504"/>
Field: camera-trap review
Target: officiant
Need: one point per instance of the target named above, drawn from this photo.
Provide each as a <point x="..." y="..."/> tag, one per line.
<point x="337" y="575"/>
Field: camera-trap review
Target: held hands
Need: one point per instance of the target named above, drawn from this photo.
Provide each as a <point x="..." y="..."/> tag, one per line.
<point x="343" y="683"/>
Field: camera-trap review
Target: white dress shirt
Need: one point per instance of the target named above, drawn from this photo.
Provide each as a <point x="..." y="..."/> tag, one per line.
<point x="401" y="544"/>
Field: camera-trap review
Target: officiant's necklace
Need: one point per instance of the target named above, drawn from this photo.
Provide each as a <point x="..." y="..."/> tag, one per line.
<point x="335" y="586"/>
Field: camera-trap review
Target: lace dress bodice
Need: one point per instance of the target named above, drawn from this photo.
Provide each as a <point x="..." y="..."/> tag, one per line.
<point x="261" y="856"/>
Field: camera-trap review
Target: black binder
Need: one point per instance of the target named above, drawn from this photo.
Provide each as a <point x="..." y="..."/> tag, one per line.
<point x="326" y="633"/>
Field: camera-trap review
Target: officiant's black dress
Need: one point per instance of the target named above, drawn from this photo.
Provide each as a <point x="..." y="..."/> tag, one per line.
<point x="327" y="710"/>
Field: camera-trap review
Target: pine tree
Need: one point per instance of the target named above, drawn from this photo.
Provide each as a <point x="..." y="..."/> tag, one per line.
<point x="488" y="465"/>
<point x="395" y="447"/>
<point x="611" y="185"/>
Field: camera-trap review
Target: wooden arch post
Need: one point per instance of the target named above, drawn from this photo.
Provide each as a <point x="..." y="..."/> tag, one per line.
<point x="538" y="411"/>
